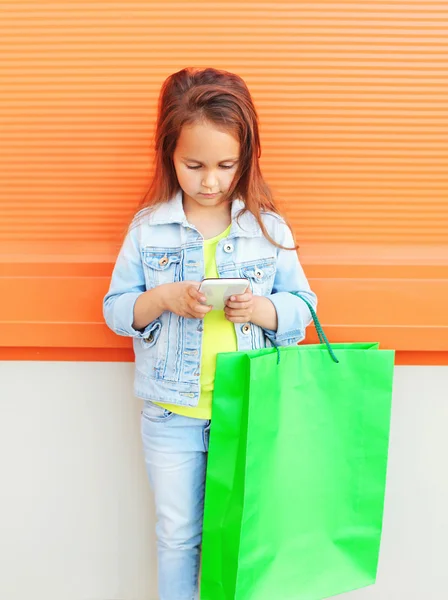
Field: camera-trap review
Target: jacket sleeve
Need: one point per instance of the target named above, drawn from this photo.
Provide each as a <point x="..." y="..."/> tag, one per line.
<point x="127" y="283"/>
<point x="293" y="315"/>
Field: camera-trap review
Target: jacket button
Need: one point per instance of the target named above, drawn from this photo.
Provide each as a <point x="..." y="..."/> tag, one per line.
<point x="228" y="248"/>
<point x="245" y="328"/>
<point x="150" y="338"/>
<point x="258" y="273"/>
<point x="163" y="261"/>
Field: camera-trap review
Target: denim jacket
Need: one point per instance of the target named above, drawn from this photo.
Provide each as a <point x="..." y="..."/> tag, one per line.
<point x="162" y="247"/>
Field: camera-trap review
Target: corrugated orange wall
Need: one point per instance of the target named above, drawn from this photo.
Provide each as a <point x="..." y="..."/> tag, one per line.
<point x="353" y="105"/>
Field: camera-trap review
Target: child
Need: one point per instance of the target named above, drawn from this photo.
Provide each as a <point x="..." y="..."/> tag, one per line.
<point x="208" y="213"/>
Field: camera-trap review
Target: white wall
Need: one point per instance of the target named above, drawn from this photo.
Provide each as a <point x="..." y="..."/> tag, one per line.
<point x="76" y="513"/>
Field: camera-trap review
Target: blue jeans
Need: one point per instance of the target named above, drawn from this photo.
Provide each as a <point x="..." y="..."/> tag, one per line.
<point x="176" y="457"/>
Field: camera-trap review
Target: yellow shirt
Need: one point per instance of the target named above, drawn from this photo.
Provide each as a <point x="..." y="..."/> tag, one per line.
<point x="218" y="336"/>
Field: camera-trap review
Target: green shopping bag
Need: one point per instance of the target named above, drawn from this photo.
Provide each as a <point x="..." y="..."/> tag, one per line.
<point x="296" y="471"/>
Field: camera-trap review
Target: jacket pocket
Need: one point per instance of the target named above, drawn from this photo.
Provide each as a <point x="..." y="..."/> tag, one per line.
<point x="260" y="274"/>
<point x="161" y="265"/>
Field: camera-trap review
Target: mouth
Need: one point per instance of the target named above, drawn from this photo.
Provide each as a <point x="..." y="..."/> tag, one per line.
<point x="209" y="195"/>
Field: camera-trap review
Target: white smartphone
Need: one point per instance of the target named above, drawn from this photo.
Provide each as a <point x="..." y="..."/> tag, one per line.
<point x="218" y="290"/>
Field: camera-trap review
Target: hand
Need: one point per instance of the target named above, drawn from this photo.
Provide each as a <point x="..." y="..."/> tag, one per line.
<point x="239" y="309"/>
<point x="184" y="299"/>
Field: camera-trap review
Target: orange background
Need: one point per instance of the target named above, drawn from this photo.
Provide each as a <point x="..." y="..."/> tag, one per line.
<point x="353" y="106"/>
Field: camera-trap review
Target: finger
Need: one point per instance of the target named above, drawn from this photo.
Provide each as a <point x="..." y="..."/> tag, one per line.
<point x="239" y="305"/>
<point x="198" y="316"/>
<point x="191" y="314"/>
<point x="236" y="319"/>
<point x="246" y="297"/>
<point x="194" y="293"/>
<point x="241" y="314"/>
<point x="199" y="309"/>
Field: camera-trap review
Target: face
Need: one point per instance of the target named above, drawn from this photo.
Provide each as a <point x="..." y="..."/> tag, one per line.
<point x="206" y="161"/>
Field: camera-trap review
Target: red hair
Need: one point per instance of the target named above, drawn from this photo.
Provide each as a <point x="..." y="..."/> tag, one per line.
<point x="221" y="98"/>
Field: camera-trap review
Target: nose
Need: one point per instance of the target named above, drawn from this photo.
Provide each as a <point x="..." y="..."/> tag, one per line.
<point x="210" y="181"/>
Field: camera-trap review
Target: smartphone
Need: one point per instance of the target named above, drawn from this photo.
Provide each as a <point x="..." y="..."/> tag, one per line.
<point x="218" y="290"/>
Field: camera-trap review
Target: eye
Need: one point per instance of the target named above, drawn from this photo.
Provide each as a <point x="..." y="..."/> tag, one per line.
<point x="222" y="167"/>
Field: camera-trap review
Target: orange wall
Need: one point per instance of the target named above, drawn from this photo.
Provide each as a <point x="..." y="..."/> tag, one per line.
<point x="353" y="104"/>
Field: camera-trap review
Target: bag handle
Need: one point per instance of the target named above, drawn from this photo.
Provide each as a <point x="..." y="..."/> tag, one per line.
<point x="320" y="332"/>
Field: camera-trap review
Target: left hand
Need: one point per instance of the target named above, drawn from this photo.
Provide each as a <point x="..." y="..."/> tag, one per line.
<point x="239" y="309"/>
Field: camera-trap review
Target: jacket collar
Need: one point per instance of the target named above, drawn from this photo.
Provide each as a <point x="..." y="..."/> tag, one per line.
<point x="173" y="212"/>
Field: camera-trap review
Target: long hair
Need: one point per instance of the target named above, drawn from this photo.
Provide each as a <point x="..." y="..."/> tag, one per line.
<point x="221" y="98"/>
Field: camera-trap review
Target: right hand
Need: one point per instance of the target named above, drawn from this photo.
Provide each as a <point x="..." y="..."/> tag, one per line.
<point x="184" y="299"/>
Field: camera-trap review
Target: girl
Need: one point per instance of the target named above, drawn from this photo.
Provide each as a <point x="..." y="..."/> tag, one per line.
<point x="208" y="213"/>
